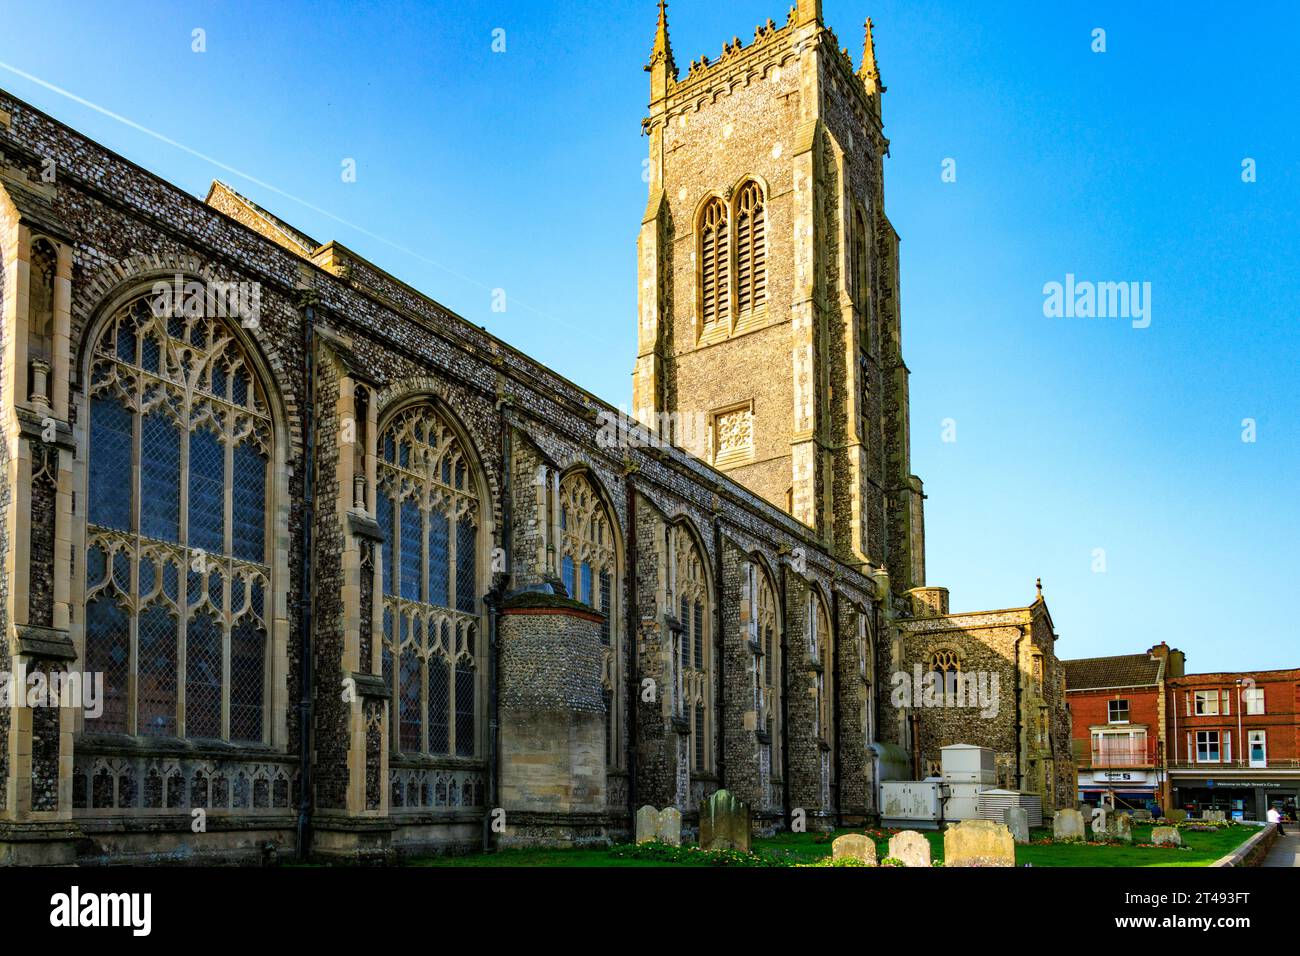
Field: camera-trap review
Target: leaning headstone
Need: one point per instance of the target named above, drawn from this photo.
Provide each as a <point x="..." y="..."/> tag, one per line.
<point x="910" y="847"/>
<point x="668" y="827"/>
<point x="1067" y="826"/>
<point x="1216" y="816"/>
<point x="855" y="846"/>
<point x="1176" y="816"/>
<point x="647" y="824"/>
<point x="1166" y="836"/>
<point x="1018" y="824"/>
<point x="1100" y="823"/>
<point x="978" y="843"/>
<point x="724" y="822"/>
<point x="1142" y="816"/>
<point x="1121" y="828"/>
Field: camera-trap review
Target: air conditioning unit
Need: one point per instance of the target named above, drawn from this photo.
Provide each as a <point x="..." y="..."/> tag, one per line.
<point x="916" y="804"/>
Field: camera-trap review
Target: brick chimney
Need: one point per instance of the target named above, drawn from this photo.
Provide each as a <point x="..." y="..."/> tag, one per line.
<point x="1175" y="660"/>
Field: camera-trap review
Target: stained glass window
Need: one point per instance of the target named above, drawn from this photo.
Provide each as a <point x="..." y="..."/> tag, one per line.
<point x="179" y="452"/>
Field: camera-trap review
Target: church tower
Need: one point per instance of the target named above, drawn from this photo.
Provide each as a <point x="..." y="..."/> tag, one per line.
<point x="768" y="316"/>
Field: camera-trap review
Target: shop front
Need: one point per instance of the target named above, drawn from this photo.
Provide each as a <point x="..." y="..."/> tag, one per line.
<point x="1241" y="798"/>
<point x="1132" y="789"/>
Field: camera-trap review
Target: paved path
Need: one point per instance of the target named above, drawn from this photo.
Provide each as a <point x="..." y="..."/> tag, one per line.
<point x="1286" y="851"/>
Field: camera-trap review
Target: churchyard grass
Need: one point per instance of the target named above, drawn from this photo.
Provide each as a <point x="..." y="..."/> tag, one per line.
<point x="1201" y="849"/>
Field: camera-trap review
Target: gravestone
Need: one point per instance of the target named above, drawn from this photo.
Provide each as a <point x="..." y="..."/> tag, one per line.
<point x="1215" y="816"/>
<point x="1067" y="826"/>
<point x="978" y="843"/>
<point x="1177" y="816"/>
<point x="647" y="824"/>
<point x="1121" y="828"/>
<point x="912" y="848"/>
<point x="1018" y="824"/>
<point x="855" y="846"/>
<point x="1142" y="816"/>
<point x="668" y="827"/>
<point x="1086" y="809"/>
<point x="1166" y="836"/>
<point x="1100" y="823"/>
<point x="724" y="822"/>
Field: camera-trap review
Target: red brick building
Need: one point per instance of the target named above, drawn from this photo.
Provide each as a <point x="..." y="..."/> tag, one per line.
<point x="1118" y="726"/>
<point x="1234" y="742"/>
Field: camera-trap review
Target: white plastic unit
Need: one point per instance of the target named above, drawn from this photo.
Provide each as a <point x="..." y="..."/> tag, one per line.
<point x="915" y="803"/>
<point x="966" y="763"/>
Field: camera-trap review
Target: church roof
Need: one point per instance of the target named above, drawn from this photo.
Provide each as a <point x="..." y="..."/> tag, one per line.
<point x="1122" y="670"/>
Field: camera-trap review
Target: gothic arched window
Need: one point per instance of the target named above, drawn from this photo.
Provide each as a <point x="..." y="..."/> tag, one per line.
<point x="945" y="665"/>
<point x="694" y="652"/>
<point x="429" y="512"/>
<point x="177" y="560"/>
<point x="714" y="255"/>
<point x="751" y="249"/>
<point x="819" y="644"/>
<point x="767" y="669"/>
<point x="588" y="565"/>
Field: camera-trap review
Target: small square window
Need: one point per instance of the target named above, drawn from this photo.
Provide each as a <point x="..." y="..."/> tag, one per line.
<point x="1118" y="711"/>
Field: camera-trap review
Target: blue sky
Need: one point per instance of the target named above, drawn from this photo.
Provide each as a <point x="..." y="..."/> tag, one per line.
<point x="522" y="170"/>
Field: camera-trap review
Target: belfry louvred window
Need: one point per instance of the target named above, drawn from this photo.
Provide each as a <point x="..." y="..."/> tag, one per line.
<point x="177" y="572"/>
<point x="715" y="254"/>
<point x="428" y="505"/>
<point x="751" y="264"/>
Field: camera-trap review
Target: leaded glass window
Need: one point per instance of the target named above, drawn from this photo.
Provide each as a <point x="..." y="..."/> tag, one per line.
<point x="429" y="512"/>
<point x="691" y="583"/>
<point x="177" y="569"/>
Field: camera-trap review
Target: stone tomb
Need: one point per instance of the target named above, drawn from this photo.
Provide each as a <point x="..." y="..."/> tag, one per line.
<point x="978" y="843"/>
<point x="1121" y="828"/>
<point x="912" y="848"/>
<point x="856" y="846"/>
<point x="1018" y="824"/>
<point x="724" y="822"/>
<point x="664" y="826"/>
<point x="1067" y="826"/>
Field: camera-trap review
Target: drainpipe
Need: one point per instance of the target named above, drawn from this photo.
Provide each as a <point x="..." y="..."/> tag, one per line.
<point x="719" y="645"/>
<point x="785" y="704"/>
<point x="308" y="582"/>
<point x="1020" y="730"/>
<point x="835" y="707"/>
<point x="633" y="679"/>
<point x="494" y="613"/>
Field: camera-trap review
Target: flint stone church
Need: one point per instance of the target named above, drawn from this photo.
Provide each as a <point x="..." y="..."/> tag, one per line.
<point x="360" y="581"/>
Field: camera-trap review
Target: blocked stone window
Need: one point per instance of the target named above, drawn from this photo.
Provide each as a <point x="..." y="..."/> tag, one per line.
<point x="429" y="512"/>
<point x="177" y="553"/>
<point x="733" y="435"/>
<point x="589" y="568"/>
